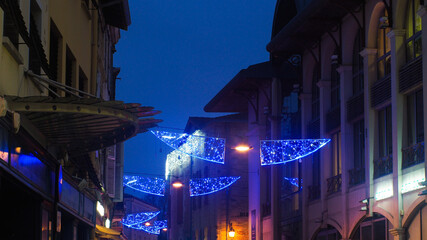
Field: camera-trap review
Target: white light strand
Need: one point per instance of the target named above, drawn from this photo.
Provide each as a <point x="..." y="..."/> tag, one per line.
<point x="204" y="186"/>
<point x="137" y="218"/>
<point x="152" y="229"/>
<point x="195" y="145"/>
<point x="283" y="151"/>
<point x="176" y="160"/>
<point x="155" y="186"/>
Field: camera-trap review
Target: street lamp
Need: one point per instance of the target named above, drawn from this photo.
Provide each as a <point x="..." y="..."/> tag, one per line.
<point x="231" y="232"/>
<point x="242" y="148"/>
<point x="177" y="184"/>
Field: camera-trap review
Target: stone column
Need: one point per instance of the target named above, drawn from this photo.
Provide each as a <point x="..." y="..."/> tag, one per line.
<point x="325" y="153"/>
<point x="369" y="70"/>
<point x="398" y="233"/>
<point x="346" y="91"/>
<point x="397" y="40"/>
<point x="422" y="12"/>
<point x="306" y="163"/>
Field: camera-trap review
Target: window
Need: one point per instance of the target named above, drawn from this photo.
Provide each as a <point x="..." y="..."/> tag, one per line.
<point x="9" y="28"/>
<point x="315" y="97"/>
<point x="415" y="118"/>
<point x="336" y="154"/>
<point x="70" y="63"/>
<point x="35" y="30"/>
<point x="383" y="46"/>
<point x="359" y="144"/>
<point x="335" y="84"/>
<point x="358" y="63"/>
<point x="83" y="82"/>
<point x="384" y="134"/>
<point x="413" y="30"/>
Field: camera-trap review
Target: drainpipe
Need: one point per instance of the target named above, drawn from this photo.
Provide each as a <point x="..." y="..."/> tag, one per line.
<point x="94" y="50"/>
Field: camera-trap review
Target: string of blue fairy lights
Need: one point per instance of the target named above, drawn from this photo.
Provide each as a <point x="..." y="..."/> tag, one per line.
<point x="155" y="186"/>
<point x="205" y="186"/>
<point x="136" y="218"/>
<point x="283" y="151"/>
<point x="152" y="229"/>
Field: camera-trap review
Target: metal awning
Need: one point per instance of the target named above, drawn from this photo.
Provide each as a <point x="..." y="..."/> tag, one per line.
<point x="319" y="17"/>
<point x="82" y="125"/>
<point x="108" y="233"/>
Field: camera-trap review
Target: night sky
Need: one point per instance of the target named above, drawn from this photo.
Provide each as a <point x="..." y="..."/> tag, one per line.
<point x="177" y="55"/>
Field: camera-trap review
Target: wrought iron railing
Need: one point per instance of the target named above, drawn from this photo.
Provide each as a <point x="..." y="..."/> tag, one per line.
<point x="413" y="155"/>
<point x="313" y="192"/>
<point x="334" y="184"/>
<point x="356" y="176"/>
<point x="383" y="166"/>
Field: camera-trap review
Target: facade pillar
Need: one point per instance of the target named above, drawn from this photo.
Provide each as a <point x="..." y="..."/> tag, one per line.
<point x="325" y="153"/>
<point x="422" y="12"/>
<point x="276" y="109"/>
<point x="346" y="91"/>
<point x="1" y="34"/>
<point x="398" y="233"/>
<point x="397" y="40"/>
<point x="306" y="164"/>
<point x="369" y="70"/>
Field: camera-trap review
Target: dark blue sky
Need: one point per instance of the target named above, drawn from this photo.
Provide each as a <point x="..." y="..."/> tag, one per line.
<point x="178" y="54"/>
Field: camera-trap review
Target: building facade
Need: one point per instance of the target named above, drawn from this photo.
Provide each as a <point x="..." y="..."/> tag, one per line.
<point x="209" y="216"/>
<point x="360" y="84"/>
<point x="61" y="151"/>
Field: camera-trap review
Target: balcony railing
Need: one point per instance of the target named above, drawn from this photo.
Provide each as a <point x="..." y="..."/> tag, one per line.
<point x="383" y="166"/>
<point x="313" y="192"/>
<point x="356" y="176"/>
<point x="412" y="155"/>
<point x="334" y="184"/>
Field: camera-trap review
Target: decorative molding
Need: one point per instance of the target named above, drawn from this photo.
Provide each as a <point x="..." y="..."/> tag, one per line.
<point x="397" y="232"/>
<point x="396" y="33"/>
<point x="368" y="51"/>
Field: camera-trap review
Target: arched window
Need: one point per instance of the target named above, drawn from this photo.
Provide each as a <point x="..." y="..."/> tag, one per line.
<point x="315" y="98"/>
<point x="383" y="46"/>
<point x="358" y="63"/>
<point x="413" y="30"/>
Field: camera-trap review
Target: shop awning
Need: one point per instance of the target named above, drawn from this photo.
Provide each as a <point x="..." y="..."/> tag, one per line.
<point x="107" y="233"/>
<point x="82" y="125"/>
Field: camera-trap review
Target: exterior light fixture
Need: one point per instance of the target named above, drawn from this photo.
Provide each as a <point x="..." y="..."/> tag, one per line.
<point x="164" y="229"/>
<point x="147" y="224"/>
<point x="365" y="206"/>
<point x="177" y="184"/>
<point x="107" y="223"/>
<point x="231" y="232"/>
<point x="100" y="208"/>
<point x="242" y="148"/>
<point x="424" y="192"/>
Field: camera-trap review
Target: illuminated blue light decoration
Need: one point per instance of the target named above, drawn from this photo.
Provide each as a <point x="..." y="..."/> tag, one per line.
<point x="204" y="186"/>
<point x="137" y="218"/>
<point x="293" y="181"/>
<point x="153" y="229"/>
<point x="155" y="186"/>
<point x="283" y="151"/>
<point x="176" y="160"/>
<point x="195" y="145"/>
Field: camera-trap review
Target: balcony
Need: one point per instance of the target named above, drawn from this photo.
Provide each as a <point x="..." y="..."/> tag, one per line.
<point x="356" y="176"/>
<point x="355" y="106"/>
<point x="412" y="155"/>
<point x="381" y="91"/>
<point x="383" y="166"/>
<point x="334" y="184"/>
<point x="313" y="192"/>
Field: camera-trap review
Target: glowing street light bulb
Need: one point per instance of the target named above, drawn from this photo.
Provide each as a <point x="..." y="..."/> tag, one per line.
<point x="177" y="184"/>
<point x="243" y="148"/>
<point x="147" y="224"/>
<point x="231" y="233"/>
<point x="164" y="229"/>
